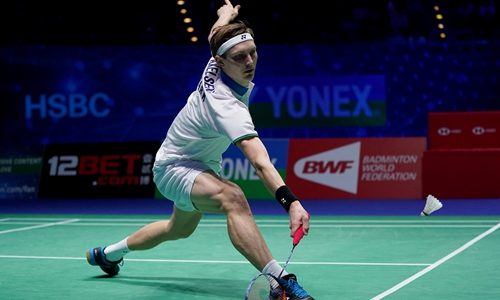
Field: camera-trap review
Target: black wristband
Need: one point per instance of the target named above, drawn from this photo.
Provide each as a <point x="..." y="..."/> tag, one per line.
<point x="285" y="197"/>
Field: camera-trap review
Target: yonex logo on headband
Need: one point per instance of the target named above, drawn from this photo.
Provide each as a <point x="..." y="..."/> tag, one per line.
<point x="234" y="41"/>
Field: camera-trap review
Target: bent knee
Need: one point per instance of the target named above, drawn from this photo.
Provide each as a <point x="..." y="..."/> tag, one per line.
<point x="234" y="199"/>
<point x="184" y="235"/>
<point x="180" y="234"/>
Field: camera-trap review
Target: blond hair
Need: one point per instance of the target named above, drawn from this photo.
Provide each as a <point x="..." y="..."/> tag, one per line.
<point x="223" y="33"/>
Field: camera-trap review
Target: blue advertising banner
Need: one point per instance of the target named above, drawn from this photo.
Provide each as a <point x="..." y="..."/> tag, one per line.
<point x="299" y="101"/>
<point x="115" y="94"/>
<point x="76" y="95"/>
<point x="236" y="168"/>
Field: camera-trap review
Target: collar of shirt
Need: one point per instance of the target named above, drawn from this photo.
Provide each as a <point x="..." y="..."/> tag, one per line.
<point x="238" y="89"/>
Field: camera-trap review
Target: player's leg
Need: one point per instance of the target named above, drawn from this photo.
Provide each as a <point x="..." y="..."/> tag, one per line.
<point x="174" y="182"/>
<point x="212" y="193"/>
<point x="181" y="225"/>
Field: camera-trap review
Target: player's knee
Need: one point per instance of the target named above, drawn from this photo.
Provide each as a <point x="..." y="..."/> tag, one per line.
<point x="178" y="234"/>
<point x="184" y="234"/>
<point x="235" y="199"/>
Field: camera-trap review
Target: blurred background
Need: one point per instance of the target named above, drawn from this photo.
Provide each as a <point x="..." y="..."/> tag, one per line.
<point x="102" y="72"/>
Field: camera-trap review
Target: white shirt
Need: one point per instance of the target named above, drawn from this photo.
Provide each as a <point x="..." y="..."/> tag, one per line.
<point x="215" y="115"/>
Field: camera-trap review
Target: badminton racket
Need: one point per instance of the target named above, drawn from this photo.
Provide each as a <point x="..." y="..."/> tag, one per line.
<point x="297" y="236"/>
<point x="265" y="283"/>
<point x="262" y="285"/>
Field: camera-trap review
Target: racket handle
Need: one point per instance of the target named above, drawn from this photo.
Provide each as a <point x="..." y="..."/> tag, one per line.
<point x="298" y="234"/>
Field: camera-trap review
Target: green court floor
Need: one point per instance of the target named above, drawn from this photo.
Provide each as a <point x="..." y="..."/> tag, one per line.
<point x="43" y="257"/>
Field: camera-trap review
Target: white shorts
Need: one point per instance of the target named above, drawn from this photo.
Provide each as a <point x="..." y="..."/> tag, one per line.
<point x="175" y="181"/>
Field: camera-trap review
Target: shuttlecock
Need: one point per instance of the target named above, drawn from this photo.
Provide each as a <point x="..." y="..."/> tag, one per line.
<point x="431" y="205"/>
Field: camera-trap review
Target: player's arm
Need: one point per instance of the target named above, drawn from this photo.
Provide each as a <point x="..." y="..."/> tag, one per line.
<point x="226" y="14"/>
<point x="257" y="155"/>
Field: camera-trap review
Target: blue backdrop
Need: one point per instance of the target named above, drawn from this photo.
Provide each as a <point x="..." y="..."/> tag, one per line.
<point x="108" y="94"/>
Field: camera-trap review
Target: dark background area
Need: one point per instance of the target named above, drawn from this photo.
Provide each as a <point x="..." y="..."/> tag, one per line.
<point x="104" y="23"/>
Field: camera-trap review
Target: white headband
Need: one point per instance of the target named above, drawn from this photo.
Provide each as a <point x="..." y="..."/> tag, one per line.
<point x="234" y="41"/>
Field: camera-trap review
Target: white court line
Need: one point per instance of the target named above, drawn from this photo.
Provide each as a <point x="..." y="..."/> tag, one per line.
<point x="88" y="219"/>
<point x="397" y="226"/>
<point x="404" y="221"/>
<point x="423" y="220"/>
<point x="39" y="226"/>
<point x="220" y="261"/>
<point x="313" y="224"/>
<point x="436" y="264"/>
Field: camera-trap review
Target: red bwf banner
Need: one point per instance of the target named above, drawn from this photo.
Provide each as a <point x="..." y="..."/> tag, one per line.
<point x="351" y="168"/>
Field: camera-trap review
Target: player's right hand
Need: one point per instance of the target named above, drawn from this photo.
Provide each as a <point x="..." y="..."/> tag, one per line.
<point x="298" y="216"/>
<point x="228" y="9"/>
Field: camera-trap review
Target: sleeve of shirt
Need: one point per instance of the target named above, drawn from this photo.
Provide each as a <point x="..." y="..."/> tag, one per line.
<point x="234" y="121"/>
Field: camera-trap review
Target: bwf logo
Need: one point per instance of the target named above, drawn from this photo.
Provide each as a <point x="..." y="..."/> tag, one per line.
<point x="337" y="168"/>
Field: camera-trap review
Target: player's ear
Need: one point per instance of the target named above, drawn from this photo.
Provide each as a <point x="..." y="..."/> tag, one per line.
<point x="219" y="61"/>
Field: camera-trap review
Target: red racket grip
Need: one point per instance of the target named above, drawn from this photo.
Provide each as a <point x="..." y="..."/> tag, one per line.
<point x="298" y="234"/>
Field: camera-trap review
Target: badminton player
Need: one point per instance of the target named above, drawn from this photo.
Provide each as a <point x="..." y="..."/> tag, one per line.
<point x="188" y="162"/>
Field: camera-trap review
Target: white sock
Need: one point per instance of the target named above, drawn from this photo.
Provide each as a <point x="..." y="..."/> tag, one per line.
<point x="116" y="251"/>
<point x="274" y="269"/>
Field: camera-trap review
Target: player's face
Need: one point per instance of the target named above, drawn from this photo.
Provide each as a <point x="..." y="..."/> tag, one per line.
<point x="240" y="62"/>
